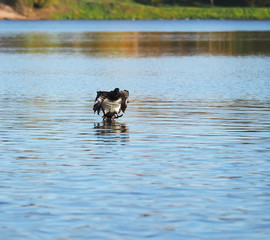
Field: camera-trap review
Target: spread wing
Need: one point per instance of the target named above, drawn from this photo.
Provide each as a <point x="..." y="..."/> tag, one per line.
<point x="101" y="95"/>
<point x="125" y="100"/>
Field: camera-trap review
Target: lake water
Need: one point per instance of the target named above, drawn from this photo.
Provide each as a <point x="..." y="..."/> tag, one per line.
<point x="189" y="159"/>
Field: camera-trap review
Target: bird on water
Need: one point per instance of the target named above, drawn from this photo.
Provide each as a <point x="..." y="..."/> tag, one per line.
<point x="111" y="103"/>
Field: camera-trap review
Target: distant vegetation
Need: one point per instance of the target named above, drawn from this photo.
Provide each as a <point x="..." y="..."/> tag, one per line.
<point x="142" y="9"/>
<point x="223" y="3"/>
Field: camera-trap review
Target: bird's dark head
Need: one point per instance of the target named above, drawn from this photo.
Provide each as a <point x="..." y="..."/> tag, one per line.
<point x="116" y="90"/>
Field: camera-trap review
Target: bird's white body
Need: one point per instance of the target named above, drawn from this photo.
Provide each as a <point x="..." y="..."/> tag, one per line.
<point x="111" y="106"/>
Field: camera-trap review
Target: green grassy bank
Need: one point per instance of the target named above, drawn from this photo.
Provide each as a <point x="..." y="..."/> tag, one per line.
<point x="128" y="9"/>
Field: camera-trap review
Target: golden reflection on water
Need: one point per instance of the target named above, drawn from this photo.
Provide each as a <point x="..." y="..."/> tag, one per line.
<point x="140" y="43"/>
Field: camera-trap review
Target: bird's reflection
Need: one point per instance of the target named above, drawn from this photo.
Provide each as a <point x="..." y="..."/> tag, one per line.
<point x="112" y="132"/>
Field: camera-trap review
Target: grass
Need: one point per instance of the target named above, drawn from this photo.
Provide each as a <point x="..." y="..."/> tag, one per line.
<point x="128" y="9"/>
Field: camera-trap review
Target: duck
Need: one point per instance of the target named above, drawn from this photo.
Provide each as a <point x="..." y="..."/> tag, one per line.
<point x="111" y="103"/>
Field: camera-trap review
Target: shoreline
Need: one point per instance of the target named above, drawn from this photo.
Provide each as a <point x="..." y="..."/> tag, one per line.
<point x="147" y="13"/>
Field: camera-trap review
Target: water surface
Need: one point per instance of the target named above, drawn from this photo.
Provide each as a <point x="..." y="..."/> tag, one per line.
<point x="76" y="26"/>
<point x="188" y="160"/>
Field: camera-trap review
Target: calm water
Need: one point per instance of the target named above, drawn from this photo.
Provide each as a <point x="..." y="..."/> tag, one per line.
<point x="190" y="159"/>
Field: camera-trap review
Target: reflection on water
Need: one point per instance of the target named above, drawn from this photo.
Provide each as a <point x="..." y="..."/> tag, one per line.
<point x="140" y="44"/>
<point x="188" y="160"/>
<point x="112" y="132"/>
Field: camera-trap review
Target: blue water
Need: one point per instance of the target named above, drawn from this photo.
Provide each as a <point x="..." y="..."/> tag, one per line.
<point x="188" y="160"/>
<point x="135" y="26"/>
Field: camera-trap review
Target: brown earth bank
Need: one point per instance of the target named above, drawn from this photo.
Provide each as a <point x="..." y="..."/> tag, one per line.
<point x="7" y="12"/>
